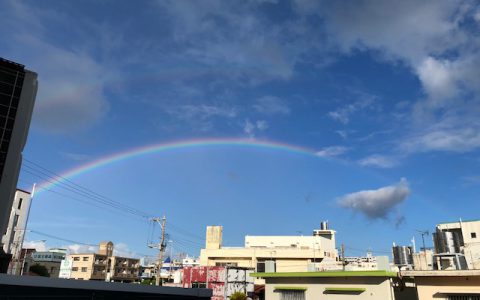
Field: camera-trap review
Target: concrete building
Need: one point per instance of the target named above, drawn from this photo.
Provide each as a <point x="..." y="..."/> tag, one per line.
<point x="17" y="224"/>
<point x="271" y="253"/>
<point x="224" y="281"/>
<point x="339" y="285"/>
<point x="51" y="260"/>
<point x="103" y="266"/>
<point x="447" y="285"/>
<point x="457" y="245"/>
<point x="18" y="88"/>
<point x="190" y="262"/>
<point x="423" y="260"/>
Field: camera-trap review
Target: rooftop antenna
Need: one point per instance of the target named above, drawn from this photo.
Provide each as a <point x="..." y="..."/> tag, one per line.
<point x="423" y="233"/>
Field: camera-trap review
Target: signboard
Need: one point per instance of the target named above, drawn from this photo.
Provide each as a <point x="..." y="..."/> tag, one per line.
<point x="65" y="268"/>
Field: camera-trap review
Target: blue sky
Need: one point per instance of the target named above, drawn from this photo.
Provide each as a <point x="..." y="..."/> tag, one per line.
<point x="385" y="92"/>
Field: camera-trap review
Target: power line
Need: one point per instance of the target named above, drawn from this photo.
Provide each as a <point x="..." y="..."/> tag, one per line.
<point x="73" y="187"/>
<point x="96" y="199"/>
<point x="60" y="238"/>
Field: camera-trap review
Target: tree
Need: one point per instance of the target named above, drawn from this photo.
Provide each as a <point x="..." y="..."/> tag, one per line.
<point x="238" y="296"/>
<point x="39" y="270"/>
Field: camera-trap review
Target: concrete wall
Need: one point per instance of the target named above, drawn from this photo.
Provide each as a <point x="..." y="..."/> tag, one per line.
<point x="13" y="238"/>
<point x="471" y="238"/>
<point x="247" y="257"/>
<point x="317" y="242"/>
<point x="214" y="237"/>
<point x="377" y="288"/>
<point x="437" y="288"/>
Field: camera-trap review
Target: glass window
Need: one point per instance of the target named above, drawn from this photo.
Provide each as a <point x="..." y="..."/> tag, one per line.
<point x="85" y="258"/>
<point x="76" y="258"/>
<point x="84" y="269"/>
<point x="473" y="235"/>
<point x="20" y="203"/>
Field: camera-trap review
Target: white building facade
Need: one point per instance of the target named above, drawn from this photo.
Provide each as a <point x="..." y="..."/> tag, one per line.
<point x="13" y="238"/>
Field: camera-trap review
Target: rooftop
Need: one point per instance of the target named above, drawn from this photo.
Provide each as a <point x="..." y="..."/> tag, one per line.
<point x="375" y="273"/>
<point x="442" y="273"/>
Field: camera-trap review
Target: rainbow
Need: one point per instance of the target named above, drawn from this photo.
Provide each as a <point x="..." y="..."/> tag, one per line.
<point x="162" y="147"/>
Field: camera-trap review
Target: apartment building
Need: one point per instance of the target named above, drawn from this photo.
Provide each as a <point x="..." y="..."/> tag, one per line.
<point x="457" y="245"/>
<point x="340" y="285"/>
<point x="272" y="253"/>
<point x="103" y="266"/>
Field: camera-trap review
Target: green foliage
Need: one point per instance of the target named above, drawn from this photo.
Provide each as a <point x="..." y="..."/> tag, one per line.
<point x="148" y="281"/>
<point x="39" y="270"/>
<point x="238" y="296"/>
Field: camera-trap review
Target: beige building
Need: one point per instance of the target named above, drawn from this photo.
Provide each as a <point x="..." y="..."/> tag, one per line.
<point x="103" y="266"/>
<point x="338" y="285"/>
<point x="272" y="253"/>
<point x="447" y="285"/>
<point x="457" y="244"/>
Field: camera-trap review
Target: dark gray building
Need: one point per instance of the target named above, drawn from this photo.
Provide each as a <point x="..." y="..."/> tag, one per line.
<point x="18" y="88"/>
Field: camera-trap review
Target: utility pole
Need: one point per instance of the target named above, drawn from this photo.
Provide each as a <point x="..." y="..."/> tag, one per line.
<point x="161" y="246"/>
<point x="343" y="256"/>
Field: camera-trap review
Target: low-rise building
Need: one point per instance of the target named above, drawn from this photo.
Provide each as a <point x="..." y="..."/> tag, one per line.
<point x="340" y="285"/>
<point x="103" y="266"/>
<point x="51" y="260"/>
<point x="271" y="253"/>
<point x="446" y="285"/>
<point x="223" y="280"/>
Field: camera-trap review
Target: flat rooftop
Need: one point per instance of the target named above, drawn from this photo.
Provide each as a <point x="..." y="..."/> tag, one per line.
<point x="441" y="273"/>
<point x="375" y="273"/>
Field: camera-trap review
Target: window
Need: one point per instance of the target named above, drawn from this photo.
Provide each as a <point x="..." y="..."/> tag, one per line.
<point x="292" y="295"/>
<point x="473" y="235"/>
<point x="226" y="264"/>
<point x="84" y="269"/>
<point x="85" y="258"/>
<point x="15" y="221"/>
<point x="199" y="285"/>
<point x="74" y="269"/>
<point x="76" y="258"/>
<point x="20" y="203"/>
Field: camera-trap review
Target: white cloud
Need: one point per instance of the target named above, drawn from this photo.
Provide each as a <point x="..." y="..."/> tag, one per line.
<point x="122" y="249"/>
<point x="331" y="151"/>
<point x="77" y="248"/>
<point x="38" y="245"/>
<point x="438" y="79"/>
<point x="250" y="128"/>
<point x="271" y="105"/>
<point x="376" y="204"/>
<point x="262" y="125"/>
<point x="202" y="111"/>
<point x="344" y="113"/>
<point x="379" y="161"/>
<point x="342" y="133"/>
